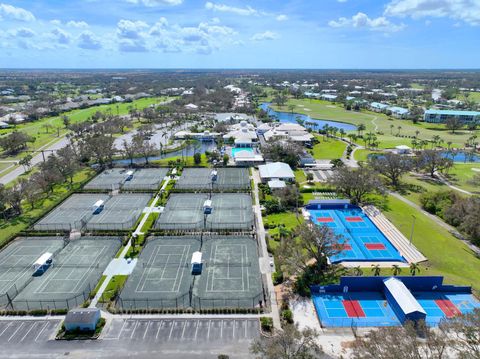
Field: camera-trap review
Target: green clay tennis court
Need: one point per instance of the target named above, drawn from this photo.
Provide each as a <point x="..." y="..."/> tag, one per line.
<point x="201" y="179"/>
<point x="162" y="277"/>
<point x="16" y="263"/>
<point x="120" y="212"/>
<point x="231" y="276"/>
<point x="184" y="211"/>
<point x="126" y="179"/>
<point x="76" y="268"/>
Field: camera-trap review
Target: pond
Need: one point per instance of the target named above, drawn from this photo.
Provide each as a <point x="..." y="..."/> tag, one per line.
<point x="198" y="147"/>
<point x="292" y="118"/>
<point x="461" y="156"/>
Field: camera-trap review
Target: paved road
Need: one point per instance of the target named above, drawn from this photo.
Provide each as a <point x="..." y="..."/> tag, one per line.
<point x="35" y="160"/>
<point x="126" y="338"/>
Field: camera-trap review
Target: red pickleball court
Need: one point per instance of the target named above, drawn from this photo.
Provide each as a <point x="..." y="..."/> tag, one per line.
<point x="374" y="246"/>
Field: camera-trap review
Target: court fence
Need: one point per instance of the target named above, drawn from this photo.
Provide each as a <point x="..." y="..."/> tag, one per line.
<point x="189" y="300"/>
<point x="178" y="227"/>
<point x="206" y="188"/>
<point x="125" y="226"/>
<point x="48" y="304"/>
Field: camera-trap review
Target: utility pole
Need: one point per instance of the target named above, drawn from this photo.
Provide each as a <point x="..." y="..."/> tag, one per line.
<point x="413" y="227"/>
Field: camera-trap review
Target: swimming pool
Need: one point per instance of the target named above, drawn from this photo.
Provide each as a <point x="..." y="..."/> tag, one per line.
<point x="361" y="239"/>
<point x="235" y="150"/>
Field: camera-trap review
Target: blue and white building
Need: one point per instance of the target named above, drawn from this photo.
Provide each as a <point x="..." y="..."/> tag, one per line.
<point x="398" y="112"/>
<point x="441" y="116"/>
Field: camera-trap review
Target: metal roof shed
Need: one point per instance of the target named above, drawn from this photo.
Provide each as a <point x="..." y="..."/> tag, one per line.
<point x="402" y="301"/>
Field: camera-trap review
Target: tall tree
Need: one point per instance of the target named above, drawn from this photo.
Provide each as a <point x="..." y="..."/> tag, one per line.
<point x="356" y="183"/>
<point x="290" y="343"/>
<point x="392" y="166"/>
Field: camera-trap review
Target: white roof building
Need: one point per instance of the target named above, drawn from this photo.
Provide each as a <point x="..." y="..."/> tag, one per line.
<point x="243" y="130"/>
<point x="288" y="131"/>
<point x="245" y="157"/>
<point x="403" y="296"/>
<point x="276" y="171"/>
<point x="277" y="184"/>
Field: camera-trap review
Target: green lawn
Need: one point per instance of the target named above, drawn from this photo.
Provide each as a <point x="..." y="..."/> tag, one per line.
<point x="29" y="216"/>
<point x="414" y="186"/>
<point x="300" y="176"/>
<point x="462" y="173"/>
<point x="328" y="149"/>
<point x="446" y="255"/>
<point x="473" y="96"/>
<point x="362" y="154"/>
<point x="188" y="161"/>
<point x="115" y="285"/>
<point x="288" y="219"/>
<point x="387" y="128"/>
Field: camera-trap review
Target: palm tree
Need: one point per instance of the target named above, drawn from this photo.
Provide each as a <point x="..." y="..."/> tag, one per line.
<point x="342" y="133"/>
<point x="449" y="145"/>
<point x="283" y="232"/>
<point x="361" y="128"/>
<point x="414" y="143"/>
<point x="357" y="271"/>
<point x="291" y="107"/>
<point x="414" y="268"/>
<point x="399" y="128"/>
<point x="396" y="270"/>
<point x="376" y="270"/>
<point x="391" y="129"/>
<point x="417" y="132"/>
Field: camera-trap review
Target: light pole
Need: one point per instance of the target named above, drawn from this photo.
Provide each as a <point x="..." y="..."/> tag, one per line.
<point x="413" y="227"/>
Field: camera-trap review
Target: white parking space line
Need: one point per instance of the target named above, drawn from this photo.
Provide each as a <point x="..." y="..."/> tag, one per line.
<point x="8" y="326"/>
<point x="29" y="330"/>
<point x="16" y="330"/>
<point x="41" y="331"/>
<point x="171" y="330"/>
<point x="158" y="330"/>
<point x="121" y="330"/>
<point x="184" y="326"/>
<point x="196" y="329"/>
<point x="209" y="325"/>
<point x="234" y="324"/>
<point x="146" y="330"/>
<point x="135" y="328"/>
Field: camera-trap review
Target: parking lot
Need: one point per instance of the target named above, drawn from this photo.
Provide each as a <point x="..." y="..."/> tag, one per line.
<point x="26" y="332"/>
<point x="182" y="330"/>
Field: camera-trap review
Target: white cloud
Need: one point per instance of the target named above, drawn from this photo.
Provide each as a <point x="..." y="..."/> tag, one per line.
<point x="131" y="29"/>
<point x="23" y="32"/>
<point x="153" y="3"/>
<point x="463" y="10"/>
<point x="362" y="21"/>
<point x="15" y="13"/>
<point x="61" y="36"/>
<point x="56" y="22"/>
<point x="132" y="45"/>
<point x="267" y="35"/>
<point x="87" y="40"/>
<point x="281" y="17"/>
<point x="78" y="24"/>
<point x="243" y="11"/>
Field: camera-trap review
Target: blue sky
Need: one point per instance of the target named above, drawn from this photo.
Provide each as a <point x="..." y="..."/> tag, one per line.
<point x="240" y="34"/>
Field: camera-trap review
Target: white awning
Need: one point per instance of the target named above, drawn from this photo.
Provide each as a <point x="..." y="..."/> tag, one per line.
<point x="403" y="296"/>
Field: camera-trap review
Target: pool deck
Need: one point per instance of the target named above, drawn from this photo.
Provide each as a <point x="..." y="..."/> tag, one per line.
<point x="407" y="250"/>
